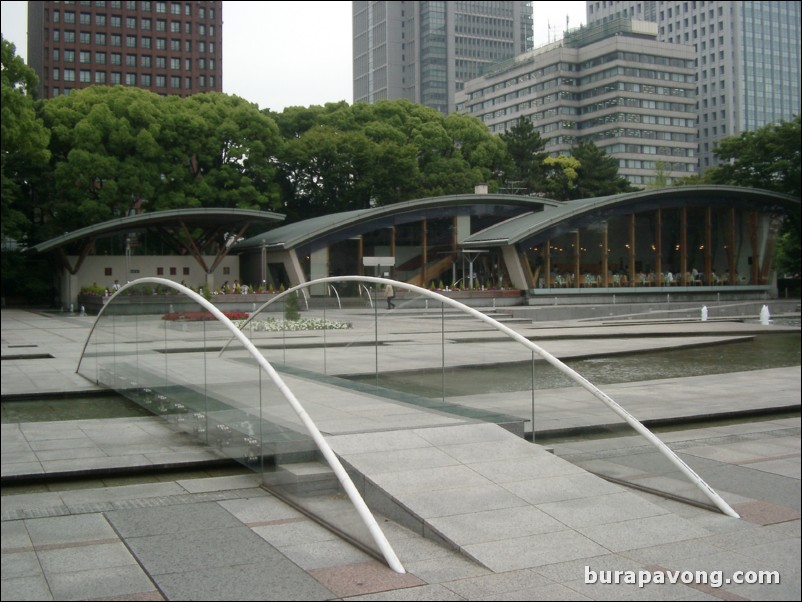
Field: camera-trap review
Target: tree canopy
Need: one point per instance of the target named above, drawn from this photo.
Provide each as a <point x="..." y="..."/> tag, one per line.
<point x="24" y="143"/>
<point x="767" y="158"/>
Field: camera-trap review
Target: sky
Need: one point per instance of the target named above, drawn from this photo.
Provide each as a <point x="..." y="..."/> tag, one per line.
<point x="305" y="47"/>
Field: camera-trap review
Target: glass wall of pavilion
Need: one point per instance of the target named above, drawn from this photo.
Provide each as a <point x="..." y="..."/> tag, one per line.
<point x="685" y="246"/>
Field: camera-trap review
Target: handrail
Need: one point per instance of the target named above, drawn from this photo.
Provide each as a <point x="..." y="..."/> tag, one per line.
<point x="554" y="361"/>
<point x="331" y="287"/>
<point x="367" y="292"/>
<point x="353" y="494"/>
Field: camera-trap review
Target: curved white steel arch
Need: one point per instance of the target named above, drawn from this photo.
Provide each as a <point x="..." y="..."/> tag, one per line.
<point x="353" y="494"/>
<point x="708" y="491"/>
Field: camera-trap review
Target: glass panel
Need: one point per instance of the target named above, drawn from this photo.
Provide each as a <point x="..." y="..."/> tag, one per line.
<point x="164" y="354"/>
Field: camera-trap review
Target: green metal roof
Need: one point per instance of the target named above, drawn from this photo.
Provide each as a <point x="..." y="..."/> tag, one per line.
<point x="525" y="226"/>
<point x="205" y="216"/>
<point x="299" y="233"/>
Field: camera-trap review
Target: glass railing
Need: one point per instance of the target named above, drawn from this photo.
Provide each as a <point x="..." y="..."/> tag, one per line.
<point x="170" y="363"/>
<point x="340" y="362"/>
<point x="433" y="353"/>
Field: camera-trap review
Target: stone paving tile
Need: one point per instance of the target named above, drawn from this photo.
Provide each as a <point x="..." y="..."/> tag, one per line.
<point x="534" y="550"/>
<point x="363" y="578"/>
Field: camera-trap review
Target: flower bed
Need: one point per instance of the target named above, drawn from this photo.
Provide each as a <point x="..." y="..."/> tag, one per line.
<point x="201" y="316"/>
<point x="273" y="325"/>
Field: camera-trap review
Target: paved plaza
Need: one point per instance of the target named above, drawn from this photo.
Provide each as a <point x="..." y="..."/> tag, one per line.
<point x="131" y="508"/>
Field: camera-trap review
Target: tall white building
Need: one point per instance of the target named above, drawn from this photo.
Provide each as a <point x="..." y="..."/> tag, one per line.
<point x="747" y="59"/>
<point x="613" y="84"/>
<point x="425" y="51"/>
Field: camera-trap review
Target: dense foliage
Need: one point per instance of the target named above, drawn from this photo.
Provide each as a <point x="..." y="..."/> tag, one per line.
<point x="767" y="158"/>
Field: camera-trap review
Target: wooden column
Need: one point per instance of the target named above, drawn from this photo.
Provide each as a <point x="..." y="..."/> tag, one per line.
<point x="631" y="270"/>
<point x="731" y="247"/>
<point x="424" y="255"/>
<point x="547" y="262"/>
<point x="577" y="258"/>
<point x="683" y="248"/>
<point x="658" y="246"/>
<point x="708" y="246"/>
<point x="605" y="251"/>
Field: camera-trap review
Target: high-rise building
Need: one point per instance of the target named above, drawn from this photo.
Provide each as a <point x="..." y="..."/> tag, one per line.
<point x="425" y="51"/>
<point x="748" y="59"/>
<point x="170" y="48"/>
<point x="613" y="84"/>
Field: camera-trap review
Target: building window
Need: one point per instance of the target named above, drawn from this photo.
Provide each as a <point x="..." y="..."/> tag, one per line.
<point x="86" y="76"/>
<point x="69" y="36"/>
<point x="116" y="39"/>
<point x="145" y="61"/>
<point x="175" y="8"/>
<point x="56" y="74"/>
<point x="130" y="22"/>
<point x="175" y="63"/>
<point x="130" y="41"/>
<point x="85" y="57"/>
<point x="86" y="37"/>
<point x="107" y="271"/>
<point x="115" y="78"/>
<point x="69" y="75"/>
<point x="161" y="25"/>
<point x="100" y="20"/>
<point x="186" y="271"/>
<point x="130" y="60"/>
<point x="145" y="23"/>
<point x="161" y="7"/>
<point x="85" y="19"/>
<point x="161" y="43"/>
<point x="160" y="271"/>
<point x="145" y="80"/>
<point x="161" y="81"/>
<point x="175" y="81"/>
<point x="173" y="271"/>
<point x="69" y="17"/>
<point x="161" y="62"/>
<point x="175" y="26"/>
<point x="69" y="56"/>
<point x="130" y="79"/>
<point x="100" y="77"/>
<point x="100" y="58"/>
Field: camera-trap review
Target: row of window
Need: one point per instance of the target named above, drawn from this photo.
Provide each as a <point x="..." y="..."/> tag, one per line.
<point x="145" y="23"/>
<point x="146" y="80"/>
<point x="176" y="8"/>
<point x="101" y="39"/>
<point x="131" y="60"/>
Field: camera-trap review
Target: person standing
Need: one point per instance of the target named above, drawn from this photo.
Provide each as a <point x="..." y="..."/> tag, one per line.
<point x="389" y="294"/>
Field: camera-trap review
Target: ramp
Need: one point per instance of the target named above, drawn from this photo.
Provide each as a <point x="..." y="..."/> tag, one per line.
<point x="504" y="502"/>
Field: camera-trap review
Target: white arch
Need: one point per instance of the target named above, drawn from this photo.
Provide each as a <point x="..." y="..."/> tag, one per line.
<point x="708" y="491"/>
<point x="353" y="494"/>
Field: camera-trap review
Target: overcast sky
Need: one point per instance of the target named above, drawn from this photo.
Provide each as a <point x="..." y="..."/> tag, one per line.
<point x="304" y="48"/>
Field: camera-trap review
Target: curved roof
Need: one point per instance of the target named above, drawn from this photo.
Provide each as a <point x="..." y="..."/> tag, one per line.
<point x="520" y="228"/>
<point x="196" y="217"/>
<point x="299" y="233"/>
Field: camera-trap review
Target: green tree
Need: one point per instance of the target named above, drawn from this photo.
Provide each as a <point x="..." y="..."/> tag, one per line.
<point x="767" y="158"/>
<point x="24" y="153"/>
<point x="561" y="174"/>
<point x="341" y="157"/>
<point x="118" y="149"/>
<point x="526" y="155"/>
<point x="597" y="174"/>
